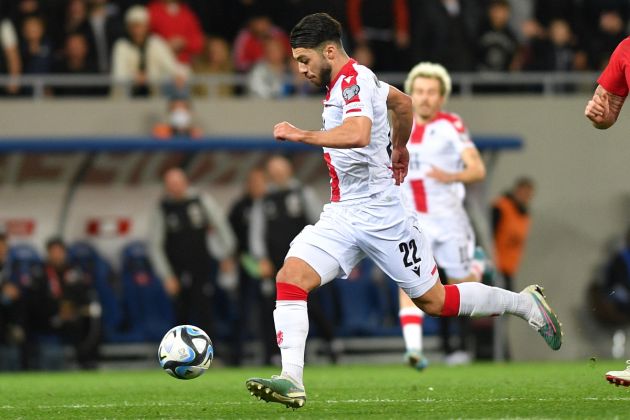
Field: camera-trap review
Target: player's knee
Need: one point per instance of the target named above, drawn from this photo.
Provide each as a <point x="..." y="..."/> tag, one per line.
<point x="431" y="308"/>
<point x="297" y="276"/>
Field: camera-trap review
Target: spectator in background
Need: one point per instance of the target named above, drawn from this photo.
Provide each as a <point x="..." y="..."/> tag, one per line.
<point x="558" y="51"/>
<point x="610" y="32"/>
<point x="364" y="55"/>
<point x="520" y="12"/>
<point x="510" y="223"/>
<point x="75" y="20"/>
<point x="249" y="46"/>
<point x="444" y="31"/>
<point x="497" y="45"/>
<point x="36" y="49"/>
<point x="74" y="60"/>
<point x="62" y="308"/>
<point x="215" y="59"/>
<point x="142" y="59"/>
<point x="10" y="60"/>
<point x="256" y="282"/>
<point x="270" y="77"/>
<point x="180" y="251"/>
<point x="11" y="329"/>
<point x="176" y="23"/>
<point x="105" y="29"/>
<point x="179" y="122"/>
<point x="384" y="26"/>
<point x="545" y="11"/>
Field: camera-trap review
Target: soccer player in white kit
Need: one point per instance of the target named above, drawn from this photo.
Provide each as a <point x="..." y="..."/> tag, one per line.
<point x="442" y="159"/>
<point x="366" y="216"/>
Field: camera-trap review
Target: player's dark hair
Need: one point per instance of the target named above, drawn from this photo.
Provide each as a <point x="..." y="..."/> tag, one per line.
<point x="55" y="241"/>
<point x="313" y="30"/>
<point x="524" y="181"/>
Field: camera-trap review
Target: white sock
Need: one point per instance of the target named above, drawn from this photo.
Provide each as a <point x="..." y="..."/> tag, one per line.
<point x="291" y="319"/>
<point x="477" y="299"/>
<point x="411" y="323"/>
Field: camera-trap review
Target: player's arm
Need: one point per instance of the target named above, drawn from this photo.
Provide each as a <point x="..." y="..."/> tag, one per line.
<point x="402" y="121"/>
<point x="402" y="116"/>
<point x="353" y="132"/>
<point x="474" y="169"/>
<point x="604" y="108"/>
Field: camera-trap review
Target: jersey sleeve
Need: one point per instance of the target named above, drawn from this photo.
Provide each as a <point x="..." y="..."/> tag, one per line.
<point x="616" y="76"/>
<point x="358" y="94"/>
<point x="461" y="136"/>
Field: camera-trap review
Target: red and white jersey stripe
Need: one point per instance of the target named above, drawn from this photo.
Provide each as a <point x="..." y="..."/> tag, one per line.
<point x="439" y="143"/>
<point x="360" y="172"/>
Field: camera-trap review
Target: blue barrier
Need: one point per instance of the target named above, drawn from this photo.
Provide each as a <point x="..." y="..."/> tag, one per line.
<point x="240" y="143"/>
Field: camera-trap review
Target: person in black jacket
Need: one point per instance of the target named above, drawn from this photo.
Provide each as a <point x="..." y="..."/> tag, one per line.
<point x="189" y="233"/>
<point x="62" y="308"/>
<point x="256" y="283"/>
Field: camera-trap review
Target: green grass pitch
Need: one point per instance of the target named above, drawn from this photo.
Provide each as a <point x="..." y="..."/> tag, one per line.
<point x="517" y="390"/>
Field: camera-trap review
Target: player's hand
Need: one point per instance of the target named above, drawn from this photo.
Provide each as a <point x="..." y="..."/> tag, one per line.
<point x="400" y="164"/>
<point x="597" y="109"/>
<point x="171" y="285"/>
<point x="440" y="175"/>
<point x="287" y="131"/>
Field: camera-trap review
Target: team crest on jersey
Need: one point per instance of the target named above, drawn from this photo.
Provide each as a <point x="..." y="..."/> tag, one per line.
<point x="350" y="92"/>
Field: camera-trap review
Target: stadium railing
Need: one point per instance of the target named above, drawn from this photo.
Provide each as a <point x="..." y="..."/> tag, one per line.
<point x="465" y="84"/>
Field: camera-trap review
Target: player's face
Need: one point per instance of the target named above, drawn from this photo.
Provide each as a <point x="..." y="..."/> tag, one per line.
<point x="427" y="97"/>
<point x="313" y="65"/>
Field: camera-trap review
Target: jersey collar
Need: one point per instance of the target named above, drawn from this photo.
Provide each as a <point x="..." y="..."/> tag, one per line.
<point x="341" y="71"/>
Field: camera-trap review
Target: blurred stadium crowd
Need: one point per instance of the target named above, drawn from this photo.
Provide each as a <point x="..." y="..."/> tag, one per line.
<point x="144" y="43"/>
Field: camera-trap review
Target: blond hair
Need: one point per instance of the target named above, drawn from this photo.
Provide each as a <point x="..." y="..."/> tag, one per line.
<point x="430" y="71"/>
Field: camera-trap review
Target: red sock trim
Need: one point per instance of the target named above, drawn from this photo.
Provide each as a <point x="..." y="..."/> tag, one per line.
<point x="288" y="291"/>
<point x="451" y="301"/>
<point x="410" y="319"/>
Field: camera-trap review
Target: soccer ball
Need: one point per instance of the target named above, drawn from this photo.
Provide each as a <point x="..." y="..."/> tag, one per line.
<point x="185" y="352"/>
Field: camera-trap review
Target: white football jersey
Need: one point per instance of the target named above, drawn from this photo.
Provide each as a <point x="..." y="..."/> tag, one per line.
<point x="439" y="143"/>
<point x="360" y="172"/>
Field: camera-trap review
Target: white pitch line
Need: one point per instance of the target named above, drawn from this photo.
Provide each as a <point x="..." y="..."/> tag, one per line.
<point x="311" y="402"/>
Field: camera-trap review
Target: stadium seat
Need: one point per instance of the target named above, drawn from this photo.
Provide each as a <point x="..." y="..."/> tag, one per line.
<point x="366" y="307"/>
<point x="24" y="263"/>
<point x="149" y="309"/>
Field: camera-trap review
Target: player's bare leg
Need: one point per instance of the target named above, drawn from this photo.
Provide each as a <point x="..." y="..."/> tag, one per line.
<point x="293" y="282"/>
<point x="476" y="299"/>
<point x="411" y="318"/>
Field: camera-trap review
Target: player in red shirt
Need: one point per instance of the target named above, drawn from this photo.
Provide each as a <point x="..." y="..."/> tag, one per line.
<point x="603" y="110"/>
<point x="613" y="84"/>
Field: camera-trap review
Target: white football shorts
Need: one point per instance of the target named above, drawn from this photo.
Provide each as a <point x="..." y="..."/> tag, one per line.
<point x="380" y="228"/>
<point x="452" y="241"/>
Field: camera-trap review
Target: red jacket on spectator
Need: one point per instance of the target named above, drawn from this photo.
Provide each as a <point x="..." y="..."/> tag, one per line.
<point x="183" y="23"/>
<point x="249" y="49"/>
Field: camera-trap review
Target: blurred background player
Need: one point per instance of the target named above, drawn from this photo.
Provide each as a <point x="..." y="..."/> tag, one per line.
<point x="61" y="308"/>
<point x="603" y="110"/>
<point x="442" y="158"/>
<point x="256" y="285"/>
<point x="180" y="252"/>
<point x="510" y="224"/>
